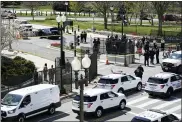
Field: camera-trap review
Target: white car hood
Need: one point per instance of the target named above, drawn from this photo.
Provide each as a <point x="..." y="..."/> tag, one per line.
<point x="168" y="60"/>
<point x="7" y="108"/>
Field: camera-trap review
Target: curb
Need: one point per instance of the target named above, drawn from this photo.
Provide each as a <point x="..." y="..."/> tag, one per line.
<point x="65" y="96"/>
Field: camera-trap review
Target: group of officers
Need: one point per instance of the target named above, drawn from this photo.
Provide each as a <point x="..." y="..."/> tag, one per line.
<point x="150" y="52"/>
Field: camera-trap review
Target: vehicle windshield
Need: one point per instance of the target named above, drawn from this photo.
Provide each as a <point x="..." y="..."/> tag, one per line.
<point x="175" y="56"/>
<point x="86" y="98"/>
<point x="140" y="119"/>
<point x="11" y="99"/>
<point x="157" y="80"/>
<point x="108" y="81"/>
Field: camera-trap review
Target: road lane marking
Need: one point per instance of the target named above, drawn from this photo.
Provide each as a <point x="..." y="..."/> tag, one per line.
<point x="148" y="103"/>
<point x="132" y="113"/>
<point x="53" y="116"/>
<point x="137" y="100"/>
<point x="166" y="104"/>
<point x="174" y="109"/>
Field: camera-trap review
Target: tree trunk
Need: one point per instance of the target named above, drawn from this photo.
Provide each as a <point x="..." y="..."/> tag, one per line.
<point x="32" y="11"/>
<point x="160" y="25"/>
<point x="152" y="20"/>
<point x="131" y="18"/>
<point x="136" y="19"/>
<point x="105" y="21"/>
<point x="75" y="16"/>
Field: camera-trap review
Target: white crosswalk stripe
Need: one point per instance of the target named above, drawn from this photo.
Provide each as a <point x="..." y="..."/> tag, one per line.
<point x="137" y="100"/>
<point x="145" y="102"/>
<point x="166" y="104"/>
<point x="174" y="109"/>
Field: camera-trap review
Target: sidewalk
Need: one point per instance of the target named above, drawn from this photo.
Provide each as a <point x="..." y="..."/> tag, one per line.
<point x="39" y="63"/>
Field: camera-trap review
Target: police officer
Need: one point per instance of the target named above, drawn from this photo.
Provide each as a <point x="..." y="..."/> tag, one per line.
<point x="157" y="55"/>
<point x="51" y="74"/>
<point x="146" y="57"/>
<point x="139" y="72"/>
<point x="152" y="53"/>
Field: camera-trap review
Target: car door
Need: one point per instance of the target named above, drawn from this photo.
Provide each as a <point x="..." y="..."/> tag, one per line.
<point x="132" y="81"/>
<point x="105" y="100"/>
<point x="174" y="82"/>
<point x="125" y="84"/>
<point x="26" y="106"/>
<point x="178" y="82"/>
<point x="114" y="99"/>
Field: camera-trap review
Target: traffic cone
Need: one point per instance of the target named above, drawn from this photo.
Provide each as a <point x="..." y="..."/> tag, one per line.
<point x="107" y="61"/>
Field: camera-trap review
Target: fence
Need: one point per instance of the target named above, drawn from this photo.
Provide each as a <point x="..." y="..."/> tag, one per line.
<point x="6" y="89"/>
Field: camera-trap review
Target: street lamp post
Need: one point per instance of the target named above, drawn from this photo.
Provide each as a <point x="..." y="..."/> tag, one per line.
<point x="112" y="8"/>
<point x="93" y="29"/>
<point x="58" y="19"/>
<point x="66" y="3"/>
<point x="76" y="66"/>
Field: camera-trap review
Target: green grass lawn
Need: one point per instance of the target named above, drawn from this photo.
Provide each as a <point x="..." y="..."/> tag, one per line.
<point x="141" y="30"/>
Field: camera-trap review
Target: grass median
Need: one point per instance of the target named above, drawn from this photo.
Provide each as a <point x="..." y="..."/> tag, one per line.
<point x="141" y="30"/>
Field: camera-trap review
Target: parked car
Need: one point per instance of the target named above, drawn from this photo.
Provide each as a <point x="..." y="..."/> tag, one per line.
<point x="120" y="82"/>
<point x="171" y="17"/>
<point x="97" y="100"/>
<point x="163" y="84"/>
<point x="48" y="31"/>
<point x="173" y="63"/>
<point x="23" y="103"/>
<point x="153" y="115"/>
<point x="8" y="15"/>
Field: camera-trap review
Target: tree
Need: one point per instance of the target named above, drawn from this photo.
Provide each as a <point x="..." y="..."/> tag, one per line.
<point x="76" y="6"/>
<point x="103" y="8"/>
<point x="8" y="33"/>
<point x="160" y="8"/>
<point x="32" y="5"/>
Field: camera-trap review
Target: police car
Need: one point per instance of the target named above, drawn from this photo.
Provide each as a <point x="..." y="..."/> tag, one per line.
<point x="120" y="82"/>
<point x="163" y="84"/>
<point x="153" y="115"/>
<point x="173" y="63"/>
<point x="97" y="100"/>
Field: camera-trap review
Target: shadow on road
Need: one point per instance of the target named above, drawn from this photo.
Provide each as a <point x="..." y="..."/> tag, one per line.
<point x="45" y="117"/>
<point x="108" y="114"/>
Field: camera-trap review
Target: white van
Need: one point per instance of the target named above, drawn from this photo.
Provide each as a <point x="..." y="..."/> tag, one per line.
<point x="26" y="102"/>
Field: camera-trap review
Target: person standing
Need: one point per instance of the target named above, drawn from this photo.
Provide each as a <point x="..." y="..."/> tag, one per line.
<point x="67" y="66"/>
<point x="45" y="70"/>
<point x="98" y="45"/>
<point x="151" y="53"/>
<point x="157" y="55"/>
<point x="146" y="58"/>
<point x="35" y="77"/>
<point x="95" y="45"/>
<point x="51" y="74"/>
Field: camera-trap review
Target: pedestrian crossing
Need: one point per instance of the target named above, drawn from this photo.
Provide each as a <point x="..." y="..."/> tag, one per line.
<point x="143" y="101"/>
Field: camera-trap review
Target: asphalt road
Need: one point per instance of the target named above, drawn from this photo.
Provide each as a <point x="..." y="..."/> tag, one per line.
<point x="78" y="19"/>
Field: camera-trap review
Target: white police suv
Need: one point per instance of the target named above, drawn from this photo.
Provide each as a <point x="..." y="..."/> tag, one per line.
<point x="153" y="115"/>
<point x="163" y="84"/>
<point x="173" y="63"/>
<point x="120" y="82"/>
<point x="97" y="100"/>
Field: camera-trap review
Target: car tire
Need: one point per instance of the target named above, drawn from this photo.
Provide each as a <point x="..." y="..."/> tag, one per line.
<point x="122" y="104"/>
<point x="179" y="71"/>
<point x="98" y="112"/>
<point x="169" y="93"/>
<point x="139" y="87"/>
<point x="121" y="90"/>
<point x="51" y="110"/>
<point x="21" y="118"/>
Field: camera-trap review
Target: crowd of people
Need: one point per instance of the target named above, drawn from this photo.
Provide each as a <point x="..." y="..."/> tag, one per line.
<point x="151" y="52"/>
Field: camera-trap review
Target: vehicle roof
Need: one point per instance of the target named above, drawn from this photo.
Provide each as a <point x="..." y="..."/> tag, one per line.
<point x="164" y="75"/>
<point x="32" y="89"/>
<point x="178" y="52"/>
<point x="113" y="76"/>
<point x="151" y="115"/>
<point x="95" y="91"/>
